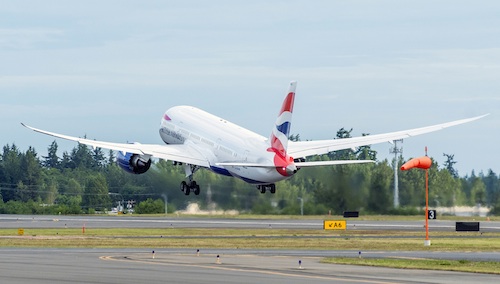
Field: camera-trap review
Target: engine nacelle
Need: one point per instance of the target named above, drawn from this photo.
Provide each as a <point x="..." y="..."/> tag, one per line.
<point x="133" y="163"/>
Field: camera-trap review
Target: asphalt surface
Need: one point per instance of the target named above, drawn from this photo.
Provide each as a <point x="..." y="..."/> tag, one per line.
<point x="236" y="266"/>
<point x="181" y="266"/>
<point x="36" y="221"/>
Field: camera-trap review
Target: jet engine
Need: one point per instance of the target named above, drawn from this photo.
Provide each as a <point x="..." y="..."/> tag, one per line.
<point x="133" y="163"/>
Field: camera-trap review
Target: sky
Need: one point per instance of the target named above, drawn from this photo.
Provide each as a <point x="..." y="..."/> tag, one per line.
<point x="110" y="69"/>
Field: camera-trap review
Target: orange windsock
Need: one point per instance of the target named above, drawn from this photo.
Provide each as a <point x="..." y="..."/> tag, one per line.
<point x="421" y="163"/>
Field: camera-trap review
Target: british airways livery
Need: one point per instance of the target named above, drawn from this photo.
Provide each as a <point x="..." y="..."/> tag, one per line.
<point x="196" y="139"/>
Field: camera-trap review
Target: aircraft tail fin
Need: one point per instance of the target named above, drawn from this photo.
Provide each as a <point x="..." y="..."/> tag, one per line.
<point x="281" y="131"/>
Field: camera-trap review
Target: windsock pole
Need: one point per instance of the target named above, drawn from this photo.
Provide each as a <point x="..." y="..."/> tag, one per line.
<point x="422" y="163"/>
<point x="427" y="241"/>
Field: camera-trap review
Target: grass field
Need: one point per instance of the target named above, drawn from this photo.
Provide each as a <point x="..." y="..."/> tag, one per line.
<point x="249" y="238"/>
<point x="429" y="264"/>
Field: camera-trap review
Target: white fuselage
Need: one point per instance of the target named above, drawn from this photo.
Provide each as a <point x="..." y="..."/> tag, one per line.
<point x="220" y="141"/>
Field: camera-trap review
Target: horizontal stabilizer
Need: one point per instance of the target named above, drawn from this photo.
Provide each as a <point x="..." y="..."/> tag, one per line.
<point x="298" y="164"/>
<point x="331" y="163"/>
<point x="254" y="165"/>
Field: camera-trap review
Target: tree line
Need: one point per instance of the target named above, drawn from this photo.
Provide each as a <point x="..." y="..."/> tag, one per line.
<point x="87" y="180"/>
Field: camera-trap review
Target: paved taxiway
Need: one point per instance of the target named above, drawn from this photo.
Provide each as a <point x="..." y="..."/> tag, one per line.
<point x="183" y="266"/>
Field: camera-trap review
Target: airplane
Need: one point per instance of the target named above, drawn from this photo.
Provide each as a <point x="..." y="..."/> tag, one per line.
<point x="197" y="139"/>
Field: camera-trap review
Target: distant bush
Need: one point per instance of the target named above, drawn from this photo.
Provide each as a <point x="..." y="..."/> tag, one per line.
<point x="405" y="211"/>
<point x="150" y="206"/>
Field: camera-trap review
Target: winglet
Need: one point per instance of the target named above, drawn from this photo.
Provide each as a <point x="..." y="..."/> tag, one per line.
<point x="29" y="127"/>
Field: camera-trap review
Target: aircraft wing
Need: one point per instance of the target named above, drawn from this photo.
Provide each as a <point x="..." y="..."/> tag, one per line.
<point x="184" y="153"/>
<point x="308" y="148"/>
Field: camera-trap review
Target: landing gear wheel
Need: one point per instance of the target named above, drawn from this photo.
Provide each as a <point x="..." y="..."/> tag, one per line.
<point x="191" y="187"/>
<point x="262" y="188"/>
<point x="194" y="187"/>
<point x="273" y="188"/>
<point x="185" y="188"/>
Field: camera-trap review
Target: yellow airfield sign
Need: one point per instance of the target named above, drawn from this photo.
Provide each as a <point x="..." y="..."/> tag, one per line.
<point x="334" y="224"/>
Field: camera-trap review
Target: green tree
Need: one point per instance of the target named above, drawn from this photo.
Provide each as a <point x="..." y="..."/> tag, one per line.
<point x="449" y="164"/>
<point x="66" y="162"/>
<point x="412" y="188"/>
<point x="11" y="172"/>
<point x="380" y="197"/>
<point x="336" y="194"/>
<point x="50" y="193"/>
<point x="52" y="160"/>
<point x="81" y="157"/>
<point x="492" y="184"/>
<point x="31" y="175"/>
<point x="444" y="189"/>
<point x="111" y="158"/>
<point x="96" y="194"/>
<point x="98" y="159"/>
<point x="68" y="204"/>
<point x="478" y="192"/>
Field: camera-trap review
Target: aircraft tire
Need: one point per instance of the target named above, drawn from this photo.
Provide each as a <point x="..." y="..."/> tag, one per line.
<point x="262" y="189"/>
<point x="185" y="188"/>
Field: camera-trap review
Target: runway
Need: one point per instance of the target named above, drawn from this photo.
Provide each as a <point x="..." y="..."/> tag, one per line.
<point x="181" y="266"/>
<point x="38" y="221"/>
<point x="236" y="265"/>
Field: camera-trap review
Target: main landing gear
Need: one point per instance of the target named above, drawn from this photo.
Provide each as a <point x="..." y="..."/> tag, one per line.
<point x="191" y="187"/>
<point x="264" y="187"/>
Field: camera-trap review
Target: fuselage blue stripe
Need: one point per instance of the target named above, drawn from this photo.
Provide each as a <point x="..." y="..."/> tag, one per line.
<point x="225" y="172"/>
<point x="251" y="181"/>
<point x="220" y="171"/>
